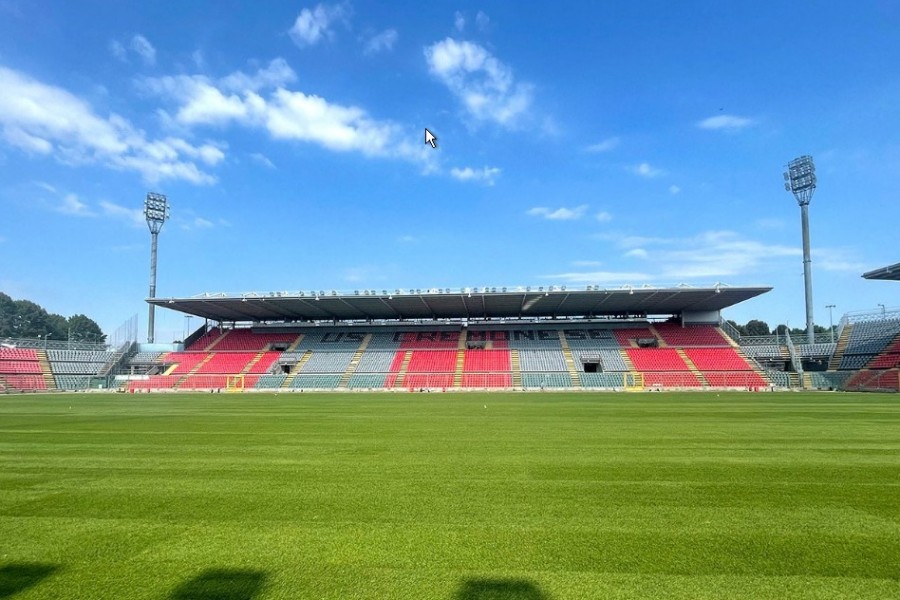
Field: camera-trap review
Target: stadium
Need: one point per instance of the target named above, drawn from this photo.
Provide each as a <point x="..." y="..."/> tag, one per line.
<point x="324" y="471"/>
<point x="549" y="338"/>
<point x="607" y="415"/>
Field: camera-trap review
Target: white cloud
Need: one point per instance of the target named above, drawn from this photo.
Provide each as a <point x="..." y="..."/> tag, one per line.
<point x="485" y="86"/>
<point x="459" y="21"/>
<point x="118" y="51"/>
<point x="604" y="145"/>
<point x="603" y="216"/>
<point x="407" y="239"/>
<point x="298" y="116"/>
<point x="197" y="223"/>
<point x="41" y="118"/>
<point x="595" y="277"/>
<point x="717" y="254"/>
<point x="837" y="259"/>
<point x="770" y="223"/>
<point x="485" y="174"/>
<point x="134" y="216"/>
<point x="144" y="49"/>
<point x="45" y="186"/>
<point x="139" y="44"/>
<point x="198" y="59"/>
<point x="71" y="205"/>
<point x="674" y="190"/>
<point x="482" y="21"/>
<point x="314" y="26"/>
<point x="708" y="256"/>
<point x="262" y="159"/>
<point x="202" y="101"/>
<point x="726" y="123"/>
<point x="363" y="273"/>
<point x="23" y="140"/>
<point x="559" y="214"/>
<point x="277" y="73"/>
<point x="645" y="170"/>
<point x="381" y="42"/>
<point x="261" y="101"/>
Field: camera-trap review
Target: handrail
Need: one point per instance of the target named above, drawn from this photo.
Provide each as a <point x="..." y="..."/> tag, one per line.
<point x="795" y="361"/>
<point x="730" y="330"/>
<point x="880" y="314"/>
<point x="55" y="344"/>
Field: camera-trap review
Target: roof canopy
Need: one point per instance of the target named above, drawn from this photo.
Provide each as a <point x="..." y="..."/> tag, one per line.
<point x="524" y="303"/>
<point x="890" y="273"/>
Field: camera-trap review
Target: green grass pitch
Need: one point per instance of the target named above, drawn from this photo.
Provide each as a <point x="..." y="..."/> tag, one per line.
<point x="450" y="496"/>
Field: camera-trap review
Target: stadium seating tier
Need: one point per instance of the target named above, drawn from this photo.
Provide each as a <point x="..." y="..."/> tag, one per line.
<point x="365" y="358"/>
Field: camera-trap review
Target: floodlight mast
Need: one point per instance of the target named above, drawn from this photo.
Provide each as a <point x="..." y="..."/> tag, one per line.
<point x="156" y="210"/>
<point x="800" y="179"/>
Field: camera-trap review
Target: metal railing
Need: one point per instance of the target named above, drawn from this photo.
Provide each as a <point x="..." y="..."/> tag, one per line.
<point x="880" y="314"/>
<point x="730" y="330"/>
<point x="795" y="360"/>
<point x="54" y="344"/>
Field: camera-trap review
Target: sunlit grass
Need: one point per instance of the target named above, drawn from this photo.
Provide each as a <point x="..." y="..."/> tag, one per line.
<point x="462" y="496"/>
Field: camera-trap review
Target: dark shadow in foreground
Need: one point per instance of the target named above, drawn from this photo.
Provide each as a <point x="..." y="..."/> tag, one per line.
<point x="221" y="584"/>
<point x="20" y="576"/>
<point x="500" y="589"/>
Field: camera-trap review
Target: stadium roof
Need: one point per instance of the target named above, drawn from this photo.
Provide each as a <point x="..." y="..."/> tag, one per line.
<point x="493" y="303"/>
<point x="890" y="273"/>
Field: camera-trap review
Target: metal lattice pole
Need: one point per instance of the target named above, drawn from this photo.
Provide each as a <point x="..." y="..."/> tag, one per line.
<point x="800" y="179"/>
<point x="156" y="210"/>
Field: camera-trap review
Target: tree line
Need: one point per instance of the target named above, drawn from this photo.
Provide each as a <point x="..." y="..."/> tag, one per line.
<point x="757" y="327"/>
<point x="25" y="319"/>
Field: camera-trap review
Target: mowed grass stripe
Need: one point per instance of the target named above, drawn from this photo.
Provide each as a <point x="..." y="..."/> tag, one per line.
<point x="452" y="495"/>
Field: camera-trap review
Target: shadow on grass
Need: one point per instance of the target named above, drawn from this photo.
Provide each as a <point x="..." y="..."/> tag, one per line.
<point x="221" y="584"/>
<point x="500" y="589"/>
<point x="20" y="576"/>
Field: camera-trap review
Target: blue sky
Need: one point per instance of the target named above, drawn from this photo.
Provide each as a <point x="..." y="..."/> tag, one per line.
<point x="578" y="143"/>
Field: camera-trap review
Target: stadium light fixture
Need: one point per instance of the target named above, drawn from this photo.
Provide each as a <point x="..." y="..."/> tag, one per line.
<point x="881" y="305"/>
<point x="830" y="321"/>
<point x="156" y="211"/>
<point x="800" y="180"/>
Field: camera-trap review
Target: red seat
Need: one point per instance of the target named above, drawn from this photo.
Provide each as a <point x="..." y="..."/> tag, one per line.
<point x="432" y="361"/>
<point x="487" y="380"/>
<point x="717" y="359"/>
<point x="26" y="382"/>
<point x="690" y="335"/>
<point x="486" y="361"/>
<point x="428" y="380"/>
<point x="656" y="359"/>
<point x="670" y="379"/>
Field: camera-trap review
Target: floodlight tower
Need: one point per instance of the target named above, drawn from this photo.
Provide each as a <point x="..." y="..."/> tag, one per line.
<point x="156" y="210"/>
<point x="800" y="179"/>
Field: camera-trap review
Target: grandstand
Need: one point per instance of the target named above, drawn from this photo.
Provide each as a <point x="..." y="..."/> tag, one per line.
<point x="26" y="365"/>
<point x="473" y="339"/>
<point x="487" y="338"/>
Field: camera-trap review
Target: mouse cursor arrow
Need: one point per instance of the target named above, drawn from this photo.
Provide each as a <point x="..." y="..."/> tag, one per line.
<point x="430" y="139"/>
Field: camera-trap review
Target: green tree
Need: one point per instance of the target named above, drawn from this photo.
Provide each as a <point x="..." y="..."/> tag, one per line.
<point x="57" y="326"/>
<point x="740" y="328"/>
<point x="757" y="327"/>
<point x="30" y="320"/>
<point x="83" y="329"/>
<point x="25" y="319"/>
<point x="7" y="316"/>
